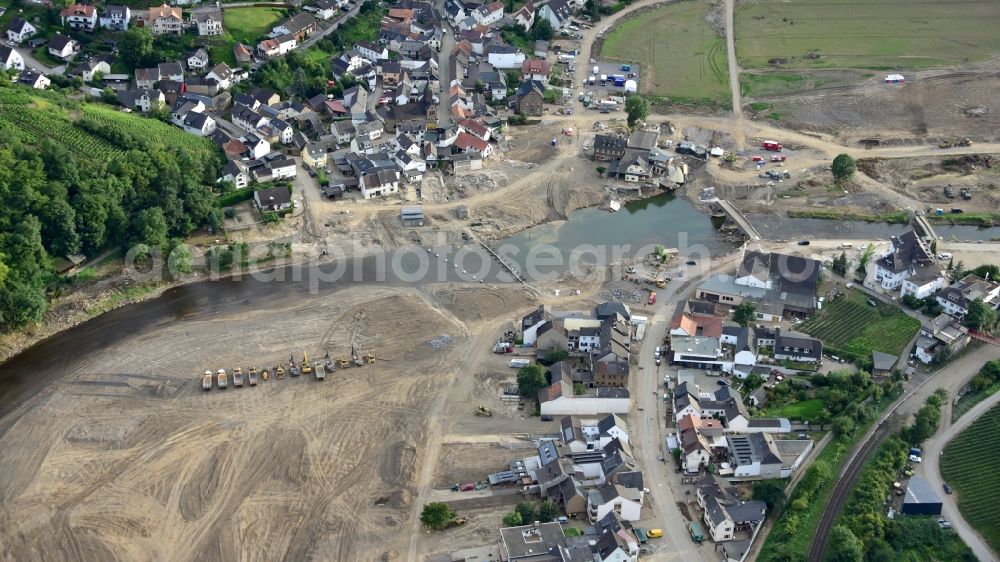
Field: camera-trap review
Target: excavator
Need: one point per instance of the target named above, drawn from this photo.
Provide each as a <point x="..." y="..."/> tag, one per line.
<point x="354" y="356"/>
<point x="279" y="372"/>
<point x="293" y="367"/>
<point x="306" y="366"/>
<point x="328" y="365"/>
<point x="483" y="411"/>
<point x="369" y="358"/>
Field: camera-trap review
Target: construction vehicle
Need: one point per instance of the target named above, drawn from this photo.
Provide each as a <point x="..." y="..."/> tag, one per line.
<point x="206" y="381"/>
<point x="369" y="358"/>
<point x="966" y="194"/>
<point x="237" y="377"/>
<point x="772" y="145"/>
<point x="319" y="372"/>
<point x="306" y="365"/>
<point x="343" y="362"/>
<point x="503" y="347"/>
<point x="252" y="376"/>
<point x="329" y="366"/>
<point x="661" y="284"/>
<point x="355" y="357"/>
<point x="265" y="374"/>
<point x="279" y="372"/>
<point x="958" y="142"/>
<point x="652" y="298"/>
<point x="293" y="367"/>
<point x="456" y="522"/>
<point x="220" y="375"/>
<point x="483" y="411"/>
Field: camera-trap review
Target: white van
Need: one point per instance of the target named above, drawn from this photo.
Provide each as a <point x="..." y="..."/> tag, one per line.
<point x="846" y="246"/>
<point x="518" y="363"/>
<point x="944" y="256"/>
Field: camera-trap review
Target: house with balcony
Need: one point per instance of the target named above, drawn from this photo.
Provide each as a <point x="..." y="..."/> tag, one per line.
<point x="941" y="336"/>
<point x="116" y="18"/>
<point x="79" y="17"/>
<point x="162" y="20"/>
<point x="955" y="300"/>
<point x="909" y="267"/>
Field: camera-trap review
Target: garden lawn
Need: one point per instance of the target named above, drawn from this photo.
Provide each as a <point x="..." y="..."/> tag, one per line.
<point x="804" y="410"/>
<point x="967" y="464"/>
<point x="246" y="25"/>
<point x="679" y="54"/>
<point x="853" y="327"/>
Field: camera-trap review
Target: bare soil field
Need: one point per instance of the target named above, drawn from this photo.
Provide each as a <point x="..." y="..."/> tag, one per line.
<point x="928" y="106"/>
<point x="126" y="458"/>
<point x="926" y="178"/>
<point x="472" y="462"/>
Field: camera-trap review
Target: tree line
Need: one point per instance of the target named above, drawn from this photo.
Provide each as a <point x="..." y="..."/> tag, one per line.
<point x="59" y="202"/>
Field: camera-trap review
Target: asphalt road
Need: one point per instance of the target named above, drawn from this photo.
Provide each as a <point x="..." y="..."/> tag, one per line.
<point x="931" y="470"/>
<point x="646" y="421"/>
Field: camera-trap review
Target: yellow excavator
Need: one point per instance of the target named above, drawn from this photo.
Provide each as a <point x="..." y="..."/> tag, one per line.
<point x="306" y="366"/>
<point x="369" y="358"/>
<point x="279" y="372"/>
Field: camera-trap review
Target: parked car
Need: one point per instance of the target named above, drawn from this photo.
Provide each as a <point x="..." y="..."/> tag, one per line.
<point x="803" y="242"/>
<point x="947" y="489"/>
<point x="949" y="192"/>
<point x="546" y="418"/>
<point x="944" y="523"/>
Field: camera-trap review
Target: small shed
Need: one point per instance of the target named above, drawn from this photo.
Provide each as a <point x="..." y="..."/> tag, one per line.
<point x="69" y="263"/>
<point x="920" y="498"/>
<point x="541" y="48"/>
<point x="882" y="363"/>
<point x="412" y="216"/>
<point x="462" y="212"/>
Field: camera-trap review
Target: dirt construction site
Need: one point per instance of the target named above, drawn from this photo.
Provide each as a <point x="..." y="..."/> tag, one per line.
<point x="127" y="458"/>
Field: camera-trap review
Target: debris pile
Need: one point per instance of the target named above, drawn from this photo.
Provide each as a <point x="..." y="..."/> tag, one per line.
<point x="442" y="341"/>
<point x="619" y="294"/>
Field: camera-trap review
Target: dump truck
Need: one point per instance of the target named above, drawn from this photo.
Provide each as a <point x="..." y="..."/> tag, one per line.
<point x="306" y="365"/>
<point x="237" y="377"/>
<point x="697" y="535"/>
<point x="652" y="298"/>
<point x="319" y="372"/>
<point x="772" y="145"/>
<point x="265" y="374"/>
<point x="220" y="375"/>
<point x="252" y="376"/>
<point x="206" y="381"/>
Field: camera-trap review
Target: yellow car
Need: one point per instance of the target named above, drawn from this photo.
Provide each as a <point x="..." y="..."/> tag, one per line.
<point x="655" y="533"/>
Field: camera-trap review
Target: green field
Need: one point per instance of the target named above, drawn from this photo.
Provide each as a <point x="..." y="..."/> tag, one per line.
<point x="875" y="34"/>
<point x="804" y="410"/>
<point x="679" y="54"/>
<point x="967" y="465"/>
<point x="854" y="327"/>
<point x="246" y="25"/>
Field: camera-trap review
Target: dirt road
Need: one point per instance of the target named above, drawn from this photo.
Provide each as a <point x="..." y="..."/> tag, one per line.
<point x="734" y="69"/>
<point x="931" y="470"/>
<point x="952" y="378"/>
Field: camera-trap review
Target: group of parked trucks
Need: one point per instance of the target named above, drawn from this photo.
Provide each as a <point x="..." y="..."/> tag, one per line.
<point x="319" y="369"/>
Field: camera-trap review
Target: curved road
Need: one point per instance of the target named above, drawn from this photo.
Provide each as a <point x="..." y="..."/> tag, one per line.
<point x="952" y="378"/>
<point x="930" y="470"/>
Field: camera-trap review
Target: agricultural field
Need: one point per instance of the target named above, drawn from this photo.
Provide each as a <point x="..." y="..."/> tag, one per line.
<point x="680" y="53"/>
<point x="856" y="328"/>
<point x="974" y="476"/>
<point x="883" y="34"/>
<point x="37" y="119"/>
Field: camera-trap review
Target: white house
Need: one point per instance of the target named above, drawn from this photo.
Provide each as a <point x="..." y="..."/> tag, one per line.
<point x="10" y="59"/>
<point x="283" y="169"/>
<point x="525" y="17"/>
<point x="558" y="12"/>
<point x="209" y="22"/>
<point x="558" y="399"/>
<point x="277" y="46"/>
<point x="200" y="124"/>
<point x="372" y="52"/>
<point x="79" y="17"/>
<point x="273" y="199"/>
<point x="488" y="14"/>
<point x="955" y="300"/>
<point x="909" y="267"/>
<point x="282" y="130"/>
<point x="505" y="57"/>
<point x="20" y="30"/>
<point x="379" y="183"/>
<point x="256" y="146"/>
<point x="222" y="74"/>
<point x="63" y="47"/>
<point x="247" y="119"/>
<point x="116" y="18"/>
<point x="198" y="60"/>
<point x="323" y="9"/>
<point x="34" y="79"/>
<point x="608" y="498"/>
<point x="163" y="20"/>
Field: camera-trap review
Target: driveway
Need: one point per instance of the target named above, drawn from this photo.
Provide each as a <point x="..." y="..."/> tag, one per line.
<point x="931" y="470"/>
<point x="34" y="64"/>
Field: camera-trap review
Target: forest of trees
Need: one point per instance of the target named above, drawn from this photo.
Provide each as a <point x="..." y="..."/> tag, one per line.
<point x="61" y="198"/>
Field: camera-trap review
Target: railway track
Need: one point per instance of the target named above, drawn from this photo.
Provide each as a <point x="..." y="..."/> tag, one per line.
<point x="844" y="486"/>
